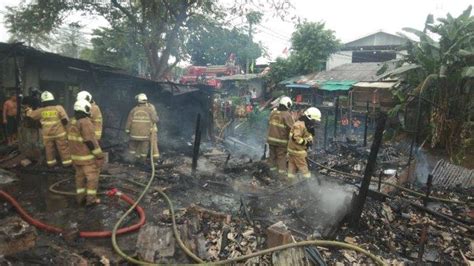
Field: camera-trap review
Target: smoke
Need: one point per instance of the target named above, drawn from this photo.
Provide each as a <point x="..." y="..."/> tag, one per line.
<point x="333" y="200"/>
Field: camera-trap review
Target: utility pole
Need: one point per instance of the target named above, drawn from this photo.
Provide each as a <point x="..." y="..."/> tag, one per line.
<point x="247" y="65"/>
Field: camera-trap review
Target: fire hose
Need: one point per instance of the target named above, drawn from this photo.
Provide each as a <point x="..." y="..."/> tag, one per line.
<point x="86" y="234"/>
<point x="410" y="191"/>
<point x="323" y="243"/>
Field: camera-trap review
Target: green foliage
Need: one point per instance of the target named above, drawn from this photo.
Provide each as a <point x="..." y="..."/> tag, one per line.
<point x="211" y="43"/>
<point x="71" y="41"/>
<point x="312" y="44"/>
<point x="446" y="59"/>
<point x="117" y="47"/>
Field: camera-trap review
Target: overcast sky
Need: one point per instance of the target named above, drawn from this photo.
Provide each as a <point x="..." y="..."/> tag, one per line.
<point x="350" y="19"/>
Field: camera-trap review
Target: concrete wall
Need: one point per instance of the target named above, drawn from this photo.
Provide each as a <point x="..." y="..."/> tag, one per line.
<point x="339" y="58"/>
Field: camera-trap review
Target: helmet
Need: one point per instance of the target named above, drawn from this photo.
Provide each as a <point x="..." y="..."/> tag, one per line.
<point x="82" y="106"/>
<point x="286" y="101"/>
<point x="84" y="95"/>
<point x="313" y="113"/>
<point x="47" y="96"/>
<point x="141" y="98"/>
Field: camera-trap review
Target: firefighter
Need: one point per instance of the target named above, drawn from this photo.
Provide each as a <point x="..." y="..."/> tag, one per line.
<point x="279" y="125"/>
<point x="53" y="119"/>
<point x="141" y="126"/>
<point x="96" y="114"/>
<point x="301" y="137"/>
<point x="86" y="153"/>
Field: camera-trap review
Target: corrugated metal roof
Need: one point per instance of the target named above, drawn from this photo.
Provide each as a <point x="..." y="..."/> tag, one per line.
<point x="376" y="85"/>
<point x="298" y="86"/>
<point x="353" y="71"/>
<point x="448" y="175"/>
<point x="377" y="39"/>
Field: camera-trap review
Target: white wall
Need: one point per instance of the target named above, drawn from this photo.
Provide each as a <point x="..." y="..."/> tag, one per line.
<point x="339" y="58"/>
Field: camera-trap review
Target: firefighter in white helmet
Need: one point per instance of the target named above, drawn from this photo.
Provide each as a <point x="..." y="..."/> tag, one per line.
<point x="279" y="125"/>
<point x="142" y="129"/>
<point x="53" y="119"/>
<point x="300" y="138"/>
<point x="96" y="114"/>
<point x="87" y="156"/>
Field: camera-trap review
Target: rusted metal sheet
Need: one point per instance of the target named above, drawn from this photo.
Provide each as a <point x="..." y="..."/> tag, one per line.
<point x="447" y="175"/>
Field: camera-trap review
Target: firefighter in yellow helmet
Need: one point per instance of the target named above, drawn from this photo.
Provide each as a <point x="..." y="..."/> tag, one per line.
<point x="53" y="119"/>
<point x="87" y="156"/>
<point x="141" y="127"/>
<point x="301" y="137"/>
<point x="96" y="114"/>
<point x="279" y="125"/>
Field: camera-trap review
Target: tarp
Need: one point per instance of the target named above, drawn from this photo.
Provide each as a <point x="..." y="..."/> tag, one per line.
<point x="337" y="85"/>
<point x="298" y="86"/>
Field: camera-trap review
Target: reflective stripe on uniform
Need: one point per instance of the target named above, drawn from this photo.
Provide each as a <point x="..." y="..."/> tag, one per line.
<point x="80" y="190"/>
<point x="98" y="133"/>
<point x="67" y="162"/>
<point x="307" y="175"/>
<point x="97" y="151"/>
<point x="127" y="131"/>
<point x="91" y="191"/>
<point x="82" y="157"/>
<point x="280" y="125"/>
<point x="143" y="154"/>
<point x="291" y="175"/>
<point x="48" y="123"/>
<point x="281" y="171"/>
<point x="273" y="168"/>
<point x="75" y="138"/>
<point x="140" y="121"/>
<point x="301" y="141"/>
<point x="156" y="155"/>
<point x="56" y="136"/>
<point x="139" y="137"/>
<point x="132" y="152"/>
<point x="291" y="151"/>
<point x="284" y="141"/>
<point x="99" y="119"/>
<point x="51" y="162"/>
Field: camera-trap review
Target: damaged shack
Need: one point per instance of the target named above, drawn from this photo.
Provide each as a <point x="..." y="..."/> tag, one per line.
<point x="23" y="68"/>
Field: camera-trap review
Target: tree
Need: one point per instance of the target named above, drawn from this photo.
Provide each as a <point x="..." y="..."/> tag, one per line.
<point x="311" y="45"/>
<point x="71" y="40"/>
<point x="442" y="64"/>
<point x="211" y="43"/>
<point x="159" y="26"/>
<point x="118" y="47"/>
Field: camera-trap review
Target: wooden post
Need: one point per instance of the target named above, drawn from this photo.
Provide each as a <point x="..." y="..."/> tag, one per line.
<point x="366" y="125"/>
<point x="197" y="143"/>
<point x="369" y="170"/>
<point x="429" y="184"/>
<point x="336" y="116"/>
<point x="326" y="122"/>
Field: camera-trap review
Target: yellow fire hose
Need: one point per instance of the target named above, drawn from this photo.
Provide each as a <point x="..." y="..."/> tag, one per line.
<point x="116" y="247"/>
